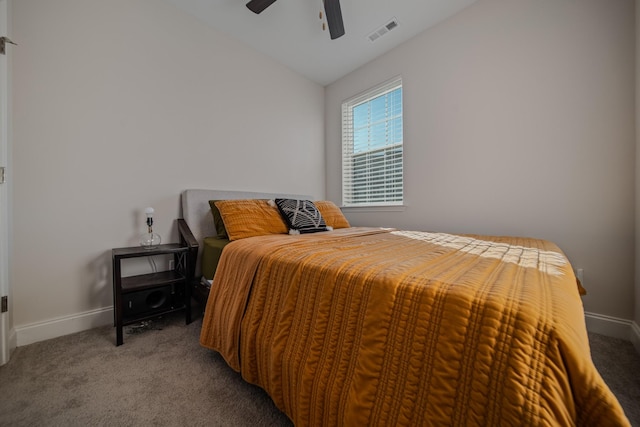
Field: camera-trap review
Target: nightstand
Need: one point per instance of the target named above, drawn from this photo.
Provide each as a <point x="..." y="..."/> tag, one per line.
<point x="141" y="297"/>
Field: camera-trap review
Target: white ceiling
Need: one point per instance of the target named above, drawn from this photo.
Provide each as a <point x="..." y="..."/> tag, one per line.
<point x="290" y="31"/>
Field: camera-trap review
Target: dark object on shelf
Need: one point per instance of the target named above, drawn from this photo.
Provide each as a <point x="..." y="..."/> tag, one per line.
<point x="150" y="301"/>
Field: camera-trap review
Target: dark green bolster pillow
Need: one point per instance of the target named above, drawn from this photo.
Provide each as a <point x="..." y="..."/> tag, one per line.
<point x="211" y="252"/>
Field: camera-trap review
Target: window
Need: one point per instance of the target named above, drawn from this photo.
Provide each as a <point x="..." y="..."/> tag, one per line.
<point x="372" y="147"/>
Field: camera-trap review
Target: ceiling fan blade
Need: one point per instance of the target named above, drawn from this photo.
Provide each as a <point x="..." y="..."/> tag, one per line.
<point x="334" y="18"/>
<point x="257" y="6"/>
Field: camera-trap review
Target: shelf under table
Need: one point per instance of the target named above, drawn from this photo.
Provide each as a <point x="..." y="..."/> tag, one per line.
<point x="151" y="280"/>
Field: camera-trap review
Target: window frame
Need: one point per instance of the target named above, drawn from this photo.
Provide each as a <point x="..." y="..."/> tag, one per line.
<point x="349" y="200"/>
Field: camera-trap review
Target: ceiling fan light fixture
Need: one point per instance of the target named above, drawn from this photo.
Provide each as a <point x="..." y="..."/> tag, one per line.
<point x="334" y="18"/>
<point x="331" y="11"/>
<point x="257" y="6"/>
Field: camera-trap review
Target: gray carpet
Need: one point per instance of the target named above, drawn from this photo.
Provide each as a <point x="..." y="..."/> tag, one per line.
<point x="619" y="364"/>
<point x="161" y="376"/>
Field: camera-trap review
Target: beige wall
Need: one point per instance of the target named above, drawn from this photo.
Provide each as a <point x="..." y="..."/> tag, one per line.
<point x="122" y="104"/>
<point x="519" y="120"/>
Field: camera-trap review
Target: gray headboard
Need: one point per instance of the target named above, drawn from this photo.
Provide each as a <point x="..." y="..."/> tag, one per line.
<point x="197" y="213"/>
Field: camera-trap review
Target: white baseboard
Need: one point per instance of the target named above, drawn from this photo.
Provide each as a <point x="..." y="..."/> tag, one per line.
<point x="65" y="325"/>
<point x="608" y="325"/>
<point x="615" y="327"/>
<point x="40" y="331"/>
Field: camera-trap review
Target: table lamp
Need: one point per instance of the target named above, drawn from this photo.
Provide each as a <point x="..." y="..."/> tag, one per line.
<point x="149" y="240"/>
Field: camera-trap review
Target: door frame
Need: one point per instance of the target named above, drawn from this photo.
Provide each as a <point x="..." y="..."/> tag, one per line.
<point x="7" y="332"/>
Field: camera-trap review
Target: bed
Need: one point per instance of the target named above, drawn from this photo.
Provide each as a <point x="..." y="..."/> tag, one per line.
<point x="369" y="326"/>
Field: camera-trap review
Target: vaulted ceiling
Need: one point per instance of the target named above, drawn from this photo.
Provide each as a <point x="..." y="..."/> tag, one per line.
<point x="290" y="31"/>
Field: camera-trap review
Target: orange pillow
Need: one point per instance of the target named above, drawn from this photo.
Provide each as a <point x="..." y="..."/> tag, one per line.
<point x="332" y="214"/>
<point x="250" y="217"/>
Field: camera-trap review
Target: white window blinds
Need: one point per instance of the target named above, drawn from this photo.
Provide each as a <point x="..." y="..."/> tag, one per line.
<point x="372" y="147"/>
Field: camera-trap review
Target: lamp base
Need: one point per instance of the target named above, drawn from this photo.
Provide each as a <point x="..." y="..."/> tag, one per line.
<point x="150" y="240"/>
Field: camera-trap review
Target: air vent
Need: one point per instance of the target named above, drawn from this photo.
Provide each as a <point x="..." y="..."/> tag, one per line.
<point x="393" y="23"/>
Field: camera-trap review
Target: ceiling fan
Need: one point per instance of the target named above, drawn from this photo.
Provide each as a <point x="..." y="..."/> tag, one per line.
<point x="331" y="10"/>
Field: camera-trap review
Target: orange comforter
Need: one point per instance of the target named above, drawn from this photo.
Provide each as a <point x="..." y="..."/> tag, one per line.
<point x="366" y="326"/>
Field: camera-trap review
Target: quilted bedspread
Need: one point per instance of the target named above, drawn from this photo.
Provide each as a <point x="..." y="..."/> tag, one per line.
<point x="364" y="326"/>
